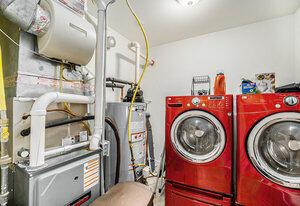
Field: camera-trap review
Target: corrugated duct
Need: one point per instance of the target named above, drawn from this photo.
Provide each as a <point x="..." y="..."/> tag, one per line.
<point x="27" y="14"/>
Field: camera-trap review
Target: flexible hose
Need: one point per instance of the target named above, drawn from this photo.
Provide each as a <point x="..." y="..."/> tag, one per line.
<point x="114" y="127"/>
<point x="57" y="123"/>
<point x="138" y="84"/>
<point x="26" y="116"/>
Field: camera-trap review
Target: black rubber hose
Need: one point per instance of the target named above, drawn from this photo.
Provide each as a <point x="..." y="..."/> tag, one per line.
<point x="113" y="126"/>
<point x="26" y="132"/>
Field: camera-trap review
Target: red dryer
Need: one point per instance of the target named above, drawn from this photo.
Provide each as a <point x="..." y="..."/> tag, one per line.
<point x="268" y="153"/>
<point x="199" y="150"/>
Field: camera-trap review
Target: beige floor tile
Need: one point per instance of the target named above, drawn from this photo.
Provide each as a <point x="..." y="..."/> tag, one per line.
<point x="159" y="201"/>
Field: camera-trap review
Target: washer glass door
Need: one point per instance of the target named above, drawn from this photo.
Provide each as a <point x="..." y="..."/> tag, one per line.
<point x="198" y="136"/>
<point x="274" y="148"/>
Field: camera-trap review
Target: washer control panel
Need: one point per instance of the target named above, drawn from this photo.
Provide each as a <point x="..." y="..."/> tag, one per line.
<point x="291" y="101"/>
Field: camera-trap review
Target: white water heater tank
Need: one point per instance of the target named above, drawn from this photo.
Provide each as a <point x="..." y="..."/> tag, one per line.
<point x="70" y="37"/>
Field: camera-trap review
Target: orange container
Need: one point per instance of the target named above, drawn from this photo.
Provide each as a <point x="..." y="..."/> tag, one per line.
<point x="220" y="84"/>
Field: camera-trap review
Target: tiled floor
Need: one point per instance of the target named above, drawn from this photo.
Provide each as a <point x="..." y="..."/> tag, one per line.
<point x="159" y="201"/>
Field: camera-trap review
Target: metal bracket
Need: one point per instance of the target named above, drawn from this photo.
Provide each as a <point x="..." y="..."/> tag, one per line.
<point x="5" y="160"/>
<point x="4" y="198"/>
<point x="105" y="147"/>
<point x="4" y="122"/>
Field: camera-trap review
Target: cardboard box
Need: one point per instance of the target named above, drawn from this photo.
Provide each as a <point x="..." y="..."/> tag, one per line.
<point x="248" y="88"/>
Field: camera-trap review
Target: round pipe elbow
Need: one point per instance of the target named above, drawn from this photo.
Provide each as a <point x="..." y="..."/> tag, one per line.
<point x="135" y="44"/>
<point x="101" y="4"/>
<point x="95" y="143"/>
<point x="40" y="105"/>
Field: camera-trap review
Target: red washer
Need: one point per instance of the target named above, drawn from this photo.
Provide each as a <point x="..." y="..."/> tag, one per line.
<point x="199" y="145"/>
<point x="268" y="153"/>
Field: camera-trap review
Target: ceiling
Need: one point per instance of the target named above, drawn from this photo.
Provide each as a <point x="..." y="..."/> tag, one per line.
<point x="167" y="21"/>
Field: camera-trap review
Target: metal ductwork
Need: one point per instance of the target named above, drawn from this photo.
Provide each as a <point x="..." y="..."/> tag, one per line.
<point x="27" y="14"/>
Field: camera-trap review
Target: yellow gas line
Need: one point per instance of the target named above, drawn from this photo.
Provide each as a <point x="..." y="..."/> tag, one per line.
<point x="4" y="121"/>
<point x="66" y="105"/>
<point x="5" y="160"/>
<point x="140" y="79"/>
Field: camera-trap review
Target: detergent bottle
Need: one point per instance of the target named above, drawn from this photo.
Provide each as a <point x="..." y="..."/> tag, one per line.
<point x="220" y="84"/>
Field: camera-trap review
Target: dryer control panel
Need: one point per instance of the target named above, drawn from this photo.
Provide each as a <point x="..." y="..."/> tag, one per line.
<point x="268" y="102"/>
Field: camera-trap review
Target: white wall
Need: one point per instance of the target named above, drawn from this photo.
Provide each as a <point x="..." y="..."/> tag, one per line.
<point x="120" y="64"/>
<point x="241" y="52"/>
<point x="297" y="45"/>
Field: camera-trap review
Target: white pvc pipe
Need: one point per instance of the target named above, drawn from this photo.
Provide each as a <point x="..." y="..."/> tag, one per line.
<point x="151" y="61"/>
<point x="99" y="77"/>
<point x="68" y="148"/>
<point x="38" y="121"/>
<point x="100" y="86"/>
<point x="137" y="47"/>
<point x="91" y="19"/>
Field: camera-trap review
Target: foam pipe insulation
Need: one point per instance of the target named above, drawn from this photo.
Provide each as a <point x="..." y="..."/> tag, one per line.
<point x="27" y="14"/>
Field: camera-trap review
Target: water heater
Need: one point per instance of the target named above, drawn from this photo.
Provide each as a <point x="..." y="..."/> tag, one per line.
<point x="118" y="112"/>
<point x="70" y="36"/>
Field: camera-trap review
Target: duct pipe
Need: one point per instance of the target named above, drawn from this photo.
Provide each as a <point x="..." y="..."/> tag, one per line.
<point x="137" y="47"/>
<point x="38" y="118"/>
<point x="27" y="14"/>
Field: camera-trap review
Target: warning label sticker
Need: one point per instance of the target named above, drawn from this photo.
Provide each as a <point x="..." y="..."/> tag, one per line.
<point x="91" y="174"/>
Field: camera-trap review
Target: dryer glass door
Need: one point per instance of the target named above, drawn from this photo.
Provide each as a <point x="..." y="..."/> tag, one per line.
<point x="198" y="136"/>
<point x="274" y="148"/>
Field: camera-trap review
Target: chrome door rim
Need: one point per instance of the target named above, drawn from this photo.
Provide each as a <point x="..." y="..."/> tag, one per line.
<point x="199" y="158"/>
<point x="257" y="160"/>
